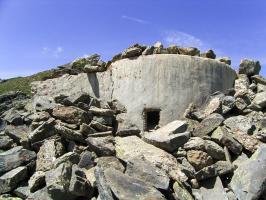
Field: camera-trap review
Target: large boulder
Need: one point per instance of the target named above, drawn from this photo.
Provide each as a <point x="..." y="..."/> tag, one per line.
<point x="125" y="187"/>
<point x="132" y="147"/>
<point x="249" y="180"/>
<point x="169" y="137"/>
<point x="14" y="158"/>
<point x="249" y="67"/>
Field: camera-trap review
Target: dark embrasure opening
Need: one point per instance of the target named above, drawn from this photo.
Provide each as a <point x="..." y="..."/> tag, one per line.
<point x="151" y="118"/>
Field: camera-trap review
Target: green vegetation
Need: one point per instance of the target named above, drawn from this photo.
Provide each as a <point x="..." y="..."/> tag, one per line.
<point x="23" y="83"/>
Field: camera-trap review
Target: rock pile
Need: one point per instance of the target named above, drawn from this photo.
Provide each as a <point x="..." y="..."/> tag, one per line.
<point x="75" y="148"/>
<point x="93" y="63"/>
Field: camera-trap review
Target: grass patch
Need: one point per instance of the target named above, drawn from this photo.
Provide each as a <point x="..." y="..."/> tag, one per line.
<point x="23" y="83"/>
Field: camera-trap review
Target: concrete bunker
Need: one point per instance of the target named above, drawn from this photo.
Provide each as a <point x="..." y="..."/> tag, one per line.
<point x="166" y="81"/>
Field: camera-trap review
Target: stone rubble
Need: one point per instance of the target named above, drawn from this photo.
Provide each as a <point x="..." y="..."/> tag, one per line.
<point x="75" y="148"/>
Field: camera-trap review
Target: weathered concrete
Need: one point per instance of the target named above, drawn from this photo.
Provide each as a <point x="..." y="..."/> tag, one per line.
<point x="168" y="82"/>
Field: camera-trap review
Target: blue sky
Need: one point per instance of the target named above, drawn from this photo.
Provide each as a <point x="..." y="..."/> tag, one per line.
<point x="36" y="35"/>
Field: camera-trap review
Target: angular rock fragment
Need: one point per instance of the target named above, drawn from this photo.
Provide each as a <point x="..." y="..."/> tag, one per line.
<point x="146" y="172"/>
<point x="208" y="125"/>
<point x="208" y="54"/>
<point x="248" y="181"/>
<point x="225" y="60"/>
<point x="5" y="142"/>
<point x="249" y="67"/>
<point x="239" y="123"/>
<point x="260" y="99"/>
<point x="195" y="143"/>
<point x="49" y="151"/>
<point x="15" y="157"/>
<point x="214" y="150"/>
<point x="169" y="137"/>
<point x="71" y="157"/>
<point x="12" y="116"/>
<point x="71" y="115"/>
<point x="126" y="187"/>
<point x="10" y="180"/>
<point x="110" y="162"/>
<point x="222" y="136"/>
<point x="102" y="146"/>
<point x="45" y="130"/>
<point x="100" y="127"/>
<point x="199" y="159"/>
<point x="213" y="189"/>
<point x="191" y="51"/>
<point x="37" y="181"/>
<point x="69" y="133"/>
<point x="129" y="148"/>
<point x="181" y="192"/>
<point x="133" y="51"/>
<point x="18" y="133"/>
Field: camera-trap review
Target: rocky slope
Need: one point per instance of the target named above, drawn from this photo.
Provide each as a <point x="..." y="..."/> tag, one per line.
<point x="74" y="149"/>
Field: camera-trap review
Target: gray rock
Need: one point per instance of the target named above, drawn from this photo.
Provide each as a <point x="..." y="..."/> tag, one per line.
<point x="94" y="69"/>
<point x="5" y="142"/>
<point x="102" y="146"/>
<point x="102" y="185"/>
<point x="199" y="159"/>
<point x="131" y="147"/>
<point x="14" y="158"/>
<point x="12" y="116"/>
<point x="228" y="104"/>
<point x="11" y="179"/>
<point x="241" y="84"/>
<point x="217" y="169"/>
<point x="181" y="192"/>
<point x="214" y="150"/>
<point x="86" y="130"/>
<point x="132" y="52"/>
<point x="79" y="186"/>
<point x="36" y="181"/>
<point x="243" y="184"/>
<point x="195" y="143"/>
<point x="186" y="167"/>
<point x="249" y="142"/>
<point x="105" y="120"/>
<point x="69" y="133"/>
<point x="43" y="103"/>
<point x="71" y="157"/>
<point x="49" y="151"/>
<point x="259" y="79"/>
<point x="222" y="136"/>
<point x="45" y="130"/>
<point x="225" y="60"/>
<point x="22" y="191"/>
<point x="57" y="181"/>
<point x="208" y="54"/>
<point x="110" y="162"/>
<point x="213" y="189"/>
<point x="146" y="172"/>
<point x="41" y="194"/>
<point x="148" y="51"/>
<point x="169" y="137"/>
<point x="249" y="67"/>
<point x="18" y="133"/>
<point x="126" y="187"/>
<point x="123" y="132"/>
<point x="173" y="49"/>
<point x="100" y="127"/>
<point x="260" y="99"/>
<point x="71" y="115"/>
<point x="188" y="51"/>
<point x="86" y="160"/>
<point x="208" y="125"/>
<point x="239" y="123"/>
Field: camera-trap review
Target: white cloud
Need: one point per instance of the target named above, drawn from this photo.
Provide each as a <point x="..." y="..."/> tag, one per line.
<point x="55" y="52"/>
<point x="183" y="39"/>
<point x="134" y="19"/>
<point x="58" y="51"/>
